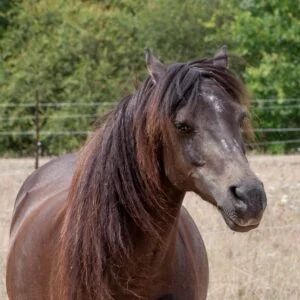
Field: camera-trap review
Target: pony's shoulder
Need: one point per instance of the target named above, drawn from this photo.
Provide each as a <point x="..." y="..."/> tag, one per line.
<point x="52" y="173"/>
<point x="45" y="187"/>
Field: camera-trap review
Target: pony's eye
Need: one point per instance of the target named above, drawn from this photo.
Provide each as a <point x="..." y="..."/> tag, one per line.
<point x="183" y="127"/>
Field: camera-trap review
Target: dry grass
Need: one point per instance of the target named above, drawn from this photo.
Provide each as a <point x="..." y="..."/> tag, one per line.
<point x="262" y="264"/>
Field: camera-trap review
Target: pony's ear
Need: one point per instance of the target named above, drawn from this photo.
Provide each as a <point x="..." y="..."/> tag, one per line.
<point x="221" y="57"/>
<point x="156" y="69"/>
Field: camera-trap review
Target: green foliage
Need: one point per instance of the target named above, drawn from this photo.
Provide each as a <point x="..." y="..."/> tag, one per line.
<point x="267" y="34"/>
<point x="63" y="52"/>
<point x="92" y="51"/>
<point x="4" y="7"/>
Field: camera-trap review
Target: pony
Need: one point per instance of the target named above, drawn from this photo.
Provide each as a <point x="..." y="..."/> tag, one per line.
<point x="108" y="223"/>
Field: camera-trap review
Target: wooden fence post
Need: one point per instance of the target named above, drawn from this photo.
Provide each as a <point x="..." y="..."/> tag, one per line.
<point x="37" y="129"/>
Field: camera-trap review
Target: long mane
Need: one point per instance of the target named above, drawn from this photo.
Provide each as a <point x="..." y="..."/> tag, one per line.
<point x="117" y="197"/>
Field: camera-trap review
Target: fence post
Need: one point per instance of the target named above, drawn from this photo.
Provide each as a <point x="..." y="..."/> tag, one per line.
<point x="37" y="129"/>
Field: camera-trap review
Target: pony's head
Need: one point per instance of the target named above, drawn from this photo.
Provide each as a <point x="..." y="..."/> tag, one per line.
<point x="194" y="121"/>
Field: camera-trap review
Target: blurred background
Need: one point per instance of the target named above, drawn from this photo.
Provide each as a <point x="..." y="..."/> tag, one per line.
<point x="64" y="63"/>
<point x="77" y="58"/>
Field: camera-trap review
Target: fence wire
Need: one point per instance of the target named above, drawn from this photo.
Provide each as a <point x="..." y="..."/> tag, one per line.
<point x="259" y="104"/>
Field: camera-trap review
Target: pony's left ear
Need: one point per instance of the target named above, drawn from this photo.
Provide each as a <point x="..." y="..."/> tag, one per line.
<point x="221" y="57"/>
<point x="156" y="69"/>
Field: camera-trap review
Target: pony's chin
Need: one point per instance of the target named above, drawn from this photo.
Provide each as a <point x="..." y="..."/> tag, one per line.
<point x="235" y="226"/>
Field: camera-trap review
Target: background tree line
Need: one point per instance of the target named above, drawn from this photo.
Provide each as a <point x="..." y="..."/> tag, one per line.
<point x="93" y="51"/>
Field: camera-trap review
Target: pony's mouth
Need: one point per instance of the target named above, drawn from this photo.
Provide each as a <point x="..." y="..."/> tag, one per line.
<point x="234" y="224"/>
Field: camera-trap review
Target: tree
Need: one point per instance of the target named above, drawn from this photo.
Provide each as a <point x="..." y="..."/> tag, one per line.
<point x="267" y="35"/>
<point x="92" y="51"/>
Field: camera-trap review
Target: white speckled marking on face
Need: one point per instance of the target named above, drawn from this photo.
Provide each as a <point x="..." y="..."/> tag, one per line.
<point x="218" y="105"/>
<point x="236" y="144"/>
<point x="225" y="144"/>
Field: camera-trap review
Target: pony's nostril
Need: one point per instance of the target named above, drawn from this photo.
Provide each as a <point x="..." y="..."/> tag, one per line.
<point x="251" y="194"/>
<point x="233" y="190"/>
<point x="238" y="192"/>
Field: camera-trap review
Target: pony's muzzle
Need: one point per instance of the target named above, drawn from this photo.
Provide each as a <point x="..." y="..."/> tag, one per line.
<point x="250" y="202"/>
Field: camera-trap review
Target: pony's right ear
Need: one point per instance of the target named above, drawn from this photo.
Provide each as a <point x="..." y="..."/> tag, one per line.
<point x="221" y="57"/>
<point x="156" y="69"/>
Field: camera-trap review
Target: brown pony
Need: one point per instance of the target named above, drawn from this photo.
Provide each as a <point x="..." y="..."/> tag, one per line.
<point x="109" y="223"/>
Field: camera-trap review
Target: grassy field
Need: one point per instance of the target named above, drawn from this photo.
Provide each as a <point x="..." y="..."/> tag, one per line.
<point x="262" y="264"/>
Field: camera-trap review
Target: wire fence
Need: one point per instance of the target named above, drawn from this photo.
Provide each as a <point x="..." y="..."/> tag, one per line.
<point x="37" y="112"/>
<point x="111" y="104"/>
